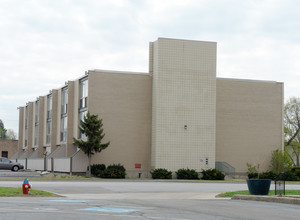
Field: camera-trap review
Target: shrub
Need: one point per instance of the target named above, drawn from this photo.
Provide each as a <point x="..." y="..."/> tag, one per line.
<point x="280" y="161"/>
<point x="252" y="175"/>
<point x="96" y="169"/>
<point x="295" y="169"/>
<point x="161" y="173"/>
<point x="252" y="171"/>
<point x="290" y="176"/>
<point x="188" y="174"/>
<point x="297" y="173"/>
<point x="117" y="166"/>
<point x="268" y="175"/>
<point x="114" y="171"/>
<point x="212" y="174"/>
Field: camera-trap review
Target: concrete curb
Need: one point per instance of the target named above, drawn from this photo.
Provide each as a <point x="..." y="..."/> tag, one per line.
<point x="277" y="199"/>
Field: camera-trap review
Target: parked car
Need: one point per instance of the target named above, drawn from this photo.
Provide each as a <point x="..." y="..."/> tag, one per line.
<point x="6" y="164"/>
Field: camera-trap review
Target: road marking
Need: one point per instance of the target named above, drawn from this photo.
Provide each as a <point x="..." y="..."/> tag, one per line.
<point x="67" y="200"/>
<point x="107" y="209"/>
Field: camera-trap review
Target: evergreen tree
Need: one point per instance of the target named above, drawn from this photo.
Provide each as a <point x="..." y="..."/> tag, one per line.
<point x="91" y="127"/>
<point x="2" y="130"/>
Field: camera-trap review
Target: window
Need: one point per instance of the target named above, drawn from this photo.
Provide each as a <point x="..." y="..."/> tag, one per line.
<point x="83" y="104"/>
<point x="64" y="111"/>
<point x="48" y="132"/>
<point x="4" y="154"/>
<point x="36" y="128"/>
<point x="81" y="117"/>
<point x="49" y="117"/>
<point x="36" y="135"/>
<point x="26" y="126"/>
<point x="63" y="133"/>
<point x="83" y="93"/>
<point x="49" y="107"/>
<point x="64" y="101"/>
<point x="36" y="112"/>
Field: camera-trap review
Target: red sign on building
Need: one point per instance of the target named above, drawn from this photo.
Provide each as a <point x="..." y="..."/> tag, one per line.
<point x="138" y="166"/>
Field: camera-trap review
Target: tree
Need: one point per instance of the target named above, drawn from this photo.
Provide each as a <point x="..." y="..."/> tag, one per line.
<point x="91" y="127"/>
<point x="292" y="128"/>
<point x="2" y="130"/>
<point x="10" y="134"/>
<point x="280" y="162"/>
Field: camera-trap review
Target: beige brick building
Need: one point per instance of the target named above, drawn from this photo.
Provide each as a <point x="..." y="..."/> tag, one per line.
<point x="8" y="147"/>
<point x="177" y="115"/>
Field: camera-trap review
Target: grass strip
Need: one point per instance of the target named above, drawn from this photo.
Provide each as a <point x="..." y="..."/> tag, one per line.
<point x="246" y="192"/>
<point x="18" y="192"/>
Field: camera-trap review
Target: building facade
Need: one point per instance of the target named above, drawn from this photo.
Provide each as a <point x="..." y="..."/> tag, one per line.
<point x="178" y="115"/>
<point x="8" y="147"/>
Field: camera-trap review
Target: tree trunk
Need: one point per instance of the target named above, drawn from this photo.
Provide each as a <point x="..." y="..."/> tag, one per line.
<point x="90" y="161"/>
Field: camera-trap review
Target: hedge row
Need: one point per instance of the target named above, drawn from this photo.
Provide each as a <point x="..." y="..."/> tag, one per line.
<point x="290" y="175"/>
<point x="118" y="171"/>
<point x="190" y="174"/>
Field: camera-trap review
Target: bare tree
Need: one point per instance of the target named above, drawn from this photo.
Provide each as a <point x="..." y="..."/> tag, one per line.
<point x="11" y="134"/>
<point x="292" y="128"/>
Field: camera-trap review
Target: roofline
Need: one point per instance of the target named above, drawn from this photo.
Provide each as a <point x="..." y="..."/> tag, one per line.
<point x="117" y="71"/>
<point x="214" y="42"/>
<point x="248" y="80"/>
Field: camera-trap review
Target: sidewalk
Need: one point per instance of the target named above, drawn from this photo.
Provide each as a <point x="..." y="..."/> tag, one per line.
<point x="278" y="199"/>
<point x="20" y="173"/>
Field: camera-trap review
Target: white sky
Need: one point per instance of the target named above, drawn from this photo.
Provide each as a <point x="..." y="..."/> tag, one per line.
<point x="44" y="43"/>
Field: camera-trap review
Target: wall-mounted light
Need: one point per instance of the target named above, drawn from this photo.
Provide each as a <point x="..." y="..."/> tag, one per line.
<point x="185" y="127"/>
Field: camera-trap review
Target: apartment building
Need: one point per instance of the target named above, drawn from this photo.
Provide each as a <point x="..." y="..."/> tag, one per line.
<point x="177" y="115"/>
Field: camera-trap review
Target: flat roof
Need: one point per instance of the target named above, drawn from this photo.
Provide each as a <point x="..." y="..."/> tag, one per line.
<point x="117" y="71"/>
<point x="248" y="80"/>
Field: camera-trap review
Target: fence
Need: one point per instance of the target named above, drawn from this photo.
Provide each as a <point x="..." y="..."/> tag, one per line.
<point x="76" y="163"/>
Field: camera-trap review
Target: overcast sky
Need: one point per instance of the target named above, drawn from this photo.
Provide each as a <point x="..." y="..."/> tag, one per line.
<point x="44" y="43"/>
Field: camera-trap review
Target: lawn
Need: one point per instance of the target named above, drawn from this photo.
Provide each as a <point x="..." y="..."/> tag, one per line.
<point x="10" y="192"/>
<point x="246" y="192"/>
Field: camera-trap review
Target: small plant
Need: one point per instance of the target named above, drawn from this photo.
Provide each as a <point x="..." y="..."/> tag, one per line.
<point x="252" y="171"/>
<point x="188" y="174"/>
<point x="161" y="173"/>
<point x="212" y="174"/>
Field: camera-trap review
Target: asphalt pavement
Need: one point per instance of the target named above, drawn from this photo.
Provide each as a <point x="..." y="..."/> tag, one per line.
<point x="140" y="200"/>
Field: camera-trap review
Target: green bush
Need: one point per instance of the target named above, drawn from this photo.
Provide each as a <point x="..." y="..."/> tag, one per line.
<point x="117" y="166"/>
<point x="114" y="171"/>
<point x="212" y="174"/>
<point x="161" y="173"/>
<point x="297" y="173"/>
<point x="188" y="174"/>
<point x="96" y="169"/>
<point x="252" y="175"/>
<point x="268" y="175"/>
<point x="291" y="176"/>
<point x="295" y="169"/>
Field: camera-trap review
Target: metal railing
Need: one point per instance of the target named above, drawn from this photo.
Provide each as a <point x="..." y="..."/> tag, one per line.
<point x="225" y="168"/>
